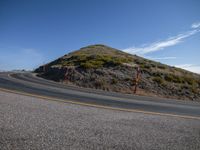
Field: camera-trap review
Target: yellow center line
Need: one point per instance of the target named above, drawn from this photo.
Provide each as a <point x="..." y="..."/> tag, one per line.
<point x="97" y="106"/>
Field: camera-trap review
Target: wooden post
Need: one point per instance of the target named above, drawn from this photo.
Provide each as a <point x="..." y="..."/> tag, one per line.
<point x="137" y="78"/>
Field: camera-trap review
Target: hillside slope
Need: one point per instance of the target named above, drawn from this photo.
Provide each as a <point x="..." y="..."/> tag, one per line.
<point x="106" y="68"/>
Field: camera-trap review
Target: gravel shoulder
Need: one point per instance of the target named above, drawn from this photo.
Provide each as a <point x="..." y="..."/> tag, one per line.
<point x="32" y="123"/>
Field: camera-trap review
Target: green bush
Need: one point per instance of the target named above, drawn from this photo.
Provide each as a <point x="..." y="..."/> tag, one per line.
<point x="94" y="60"/>
<point x="161" y="66"/>
<point x="158" y="80"/>
<point x="157" y="74"/>
<point x="91" y="64"/>
<point x="178" y="79"/>
<point x="174" y="78"/>
<point x="97" y="61"/>
<point x="99" y="84"/>
<point x="184" y="87"/>
<point x="128" y="79"/>
<point x="169" y="77"/>
<point x="114" y="81"/>
<point x="153" y="65"/>
<point x="190" y="81"/>
<point x="147" y="66"/>
<point x="139" y="62"/>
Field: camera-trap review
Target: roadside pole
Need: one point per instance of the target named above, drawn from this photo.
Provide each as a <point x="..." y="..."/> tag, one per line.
<point x="137" y="78"/>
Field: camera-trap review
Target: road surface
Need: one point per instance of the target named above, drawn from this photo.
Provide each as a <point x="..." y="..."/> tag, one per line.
<point x="28" y="123"/>
<point x="40" y="114"/>
<point x="35" y="86"/>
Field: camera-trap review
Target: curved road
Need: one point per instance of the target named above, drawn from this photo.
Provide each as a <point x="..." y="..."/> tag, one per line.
<point x="28" y="83"/>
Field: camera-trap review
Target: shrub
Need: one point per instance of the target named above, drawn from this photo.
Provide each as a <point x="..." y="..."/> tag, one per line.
<point x="161" y="66"/>
<point x="94" y="60"/>
<point x="99" y="83"/>
<point x="139" y="62"/>
<point x="184" y="87"/>
<point x="174" y="78"/>
<point x="178" y="79"/>
<point x="157" y="74"/>
<point x="158" y="80"/>
<point x="169" y="77"/>
<point x="114" y="81"/>
<point x="153" y="65"/>
<point x="128" y="79"/>
<point x="147" y="66"/>
<point x="190" y="81"/>
<point x="91" y="64"/>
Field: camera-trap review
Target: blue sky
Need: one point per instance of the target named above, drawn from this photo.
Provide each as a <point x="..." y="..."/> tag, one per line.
<point x="33" y="32"/>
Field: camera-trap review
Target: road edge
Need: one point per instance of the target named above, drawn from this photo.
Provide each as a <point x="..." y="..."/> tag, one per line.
<point x="96" y="106"/>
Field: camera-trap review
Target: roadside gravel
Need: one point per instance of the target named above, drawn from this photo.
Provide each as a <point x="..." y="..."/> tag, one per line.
<point x="35" y="124"/>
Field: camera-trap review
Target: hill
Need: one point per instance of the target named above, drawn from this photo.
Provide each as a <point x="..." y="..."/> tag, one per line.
<point x="106" y="68"/>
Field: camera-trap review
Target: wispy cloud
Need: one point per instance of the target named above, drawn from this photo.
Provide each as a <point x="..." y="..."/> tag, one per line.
<point x="191" y="67"/>
<point x="185" y="65"/>
<point x="161" y="58"/>
<point x="195" y="25"/>
<point x="160" y="45"/>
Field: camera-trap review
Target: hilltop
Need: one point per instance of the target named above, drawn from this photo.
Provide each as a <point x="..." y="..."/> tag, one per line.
<point x="106" y="68"/>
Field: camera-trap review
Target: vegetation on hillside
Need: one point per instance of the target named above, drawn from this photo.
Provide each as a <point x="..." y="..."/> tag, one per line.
<point x="102" y="67"/>
<point x="95" y="56"/>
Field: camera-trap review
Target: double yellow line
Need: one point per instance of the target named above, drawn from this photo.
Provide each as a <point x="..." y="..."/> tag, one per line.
<point x="98" y="106"/>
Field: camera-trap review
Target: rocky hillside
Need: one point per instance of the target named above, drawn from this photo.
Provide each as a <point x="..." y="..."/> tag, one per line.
<point x="106" y="68"/>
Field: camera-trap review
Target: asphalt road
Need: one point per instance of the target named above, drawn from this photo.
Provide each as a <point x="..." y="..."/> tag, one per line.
<point x="29" y="83"/>
<point x="28" y="123"/>
<point x="45" y="115"/>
